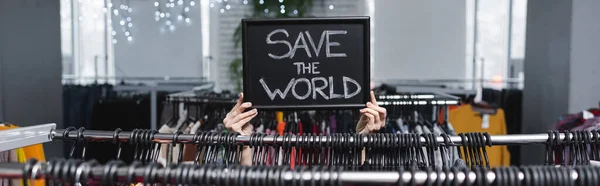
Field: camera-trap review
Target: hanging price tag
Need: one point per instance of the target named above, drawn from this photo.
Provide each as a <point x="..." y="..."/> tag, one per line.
<point x="485" y="121"/>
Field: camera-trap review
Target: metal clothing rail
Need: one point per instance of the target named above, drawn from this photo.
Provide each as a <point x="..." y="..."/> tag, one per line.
<point x="141" y="173"/>
<point x="97" y="135"/>
<point x="25" y="136"/>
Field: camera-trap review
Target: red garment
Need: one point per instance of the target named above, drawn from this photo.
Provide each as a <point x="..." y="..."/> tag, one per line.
<point x="280" y="128"/>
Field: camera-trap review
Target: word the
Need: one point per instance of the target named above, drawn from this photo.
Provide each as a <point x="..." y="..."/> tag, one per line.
<point x="302" y="44"/>
<point x="313" y="88"/>
<point x="307" y="68"/>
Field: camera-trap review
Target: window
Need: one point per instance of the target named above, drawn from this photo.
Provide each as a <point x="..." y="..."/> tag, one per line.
<point x="496" y="42"/>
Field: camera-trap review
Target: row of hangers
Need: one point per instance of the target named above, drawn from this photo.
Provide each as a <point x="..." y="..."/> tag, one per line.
<point x="383" y="151"/>
<point x="84" y="173"/>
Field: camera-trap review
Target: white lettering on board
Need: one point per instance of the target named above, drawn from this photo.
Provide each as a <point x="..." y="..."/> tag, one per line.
<point x="314" y="89"/>
<point x="300" y="43"/>
<point x="269" y="41"/>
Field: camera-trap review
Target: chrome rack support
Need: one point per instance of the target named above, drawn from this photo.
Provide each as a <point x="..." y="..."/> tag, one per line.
<point x="25" y="136"/>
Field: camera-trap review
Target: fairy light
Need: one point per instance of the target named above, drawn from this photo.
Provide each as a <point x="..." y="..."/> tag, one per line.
<point x="192" y="3"/>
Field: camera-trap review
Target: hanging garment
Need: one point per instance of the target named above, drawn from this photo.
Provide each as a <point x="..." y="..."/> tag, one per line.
<point x="465" y="119"/>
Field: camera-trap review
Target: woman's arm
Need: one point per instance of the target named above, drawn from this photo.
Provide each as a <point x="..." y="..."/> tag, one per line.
<point x="237" y="121"/>
<point x="372" y="119"/>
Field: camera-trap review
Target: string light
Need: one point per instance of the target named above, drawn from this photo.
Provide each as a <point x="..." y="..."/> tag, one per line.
<point x="261" y="2"/>
<point x="228" y="7"/>
<point x="187" y="20"/>
<point x="114" y="41"/>
<point x="129" y="25"/>
<point x="222" y="10"/>
<point x="167" y="14"/>
<point x="179" y="17"/>
<point x="280" y="1"/>
<point x="156" y="3"/>
<point x="192" y="3"/>
<point x="187" y="9"/>
<point x="245" y="2"/>
<point x="331" y="7"/>
<point x="266" y="10"/>
<point x="295" y="11"/>
<point x="129" y="38"/>
<point x="180" y="2"/>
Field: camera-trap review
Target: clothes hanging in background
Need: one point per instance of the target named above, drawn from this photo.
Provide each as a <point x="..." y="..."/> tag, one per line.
<point x="513" y="114"/>
<point x="574" y="121"/>
<point x="465" y="119"/>
<point x="127" y="113"/>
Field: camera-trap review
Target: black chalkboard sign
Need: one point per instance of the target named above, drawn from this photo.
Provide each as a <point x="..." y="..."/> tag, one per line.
<point x="306" y="63"/>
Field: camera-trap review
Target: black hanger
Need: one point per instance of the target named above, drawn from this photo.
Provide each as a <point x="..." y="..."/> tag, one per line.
<point x="549" y="151"/>
<point x="558" y="148"/>
<point x="174" y="143"/>
<point x="473" y="143"/>
<point x="593" y="147"/>
<point x="462" y="150"/>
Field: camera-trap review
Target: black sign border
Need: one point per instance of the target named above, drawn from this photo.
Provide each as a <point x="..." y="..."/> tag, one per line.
<point x="364" y="20"/>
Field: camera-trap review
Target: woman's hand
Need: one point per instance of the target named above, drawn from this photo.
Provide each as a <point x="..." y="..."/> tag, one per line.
<point x="237" y="119"/>
<point x="372" y="118"/>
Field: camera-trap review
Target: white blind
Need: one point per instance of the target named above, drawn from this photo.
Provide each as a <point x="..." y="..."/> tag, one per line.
<point x="230" y="19"/>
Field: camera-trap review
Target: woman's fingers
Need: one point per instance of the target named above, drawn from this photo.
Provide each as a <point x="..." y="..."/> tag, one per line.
<point x="240" y="120"/>
<point x="373" y="100"/>
<point x="382" y="111"/>
<point x="374" y="113"/>
<point x="239" y="102"/>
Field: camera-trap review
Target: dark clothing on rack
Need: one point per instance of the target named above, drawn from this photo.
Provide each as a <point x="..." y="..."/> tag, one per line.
<point x="78" y="105"/>
<point x="124" y="113"/>
<point x="513" y="110"/>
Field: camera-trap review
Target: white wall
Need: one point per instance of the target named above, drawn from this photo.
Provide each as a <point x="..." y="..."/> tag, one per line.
<point x="584" y="90"/>
<point x="419" y="39"/>
<point x="157" y="53"/>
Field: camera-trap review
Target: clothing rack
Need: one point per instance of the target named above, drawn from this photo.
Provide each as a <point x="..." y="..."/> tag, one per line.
<point x="97" y="135"/>
<point x="202" y="97"/>
<point x="153" y="89"/>
<point x="418" y="99"/>
<point x="238" y="175"/>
